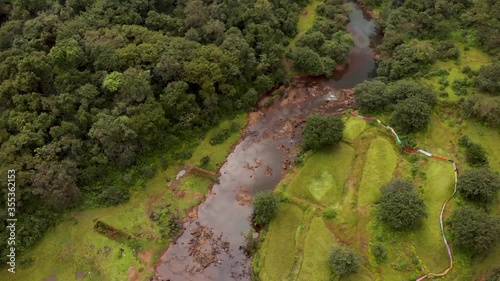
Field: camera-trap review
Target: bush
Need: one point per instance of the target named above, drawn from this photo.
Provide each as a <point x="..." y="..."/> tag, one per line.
<point x="478" y="185"/>
<point x="400" y="207"/>
<point x="474" y="231"/>
<point x="484" y="108"/>
<point x="411" y="115"/>
<point x="204" y="161"/>
<point x="320" y="131"/>
<point x="379" y="252"/>
<point x="476" y="155"/>
<point x="220" y="137"/>
<point x="329" y="214"/>
<point x="113" y="195"/>
<point x="344" y="260"/>
<point x="265" y="205"/>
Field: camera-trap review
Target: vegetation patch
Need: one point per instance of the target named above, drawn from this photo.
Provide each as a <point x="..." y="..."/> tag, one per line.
<point x="317" y="247"/>
<point x="353" y="128"/>
<point x="280" y="248"/>
<point x="378" y="168"/>
<point x="322" y="178"/>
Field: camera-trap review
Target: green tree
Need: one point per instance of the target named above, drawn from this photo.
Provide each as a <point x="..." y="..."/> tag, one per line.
<point x="265" y="206"/>
<point x="321" y="131"/>
<point x="476" y="155"/>
<point x="478" y="185"/>
<point x="400" y="207"/>
<point x="307" y="61"/>
<point x="371" y="96"/>
<point x="474" y="231"/>
<point x="411" y="115"/>
<point x="344" y="260"/>
<point x="487" y="78"/>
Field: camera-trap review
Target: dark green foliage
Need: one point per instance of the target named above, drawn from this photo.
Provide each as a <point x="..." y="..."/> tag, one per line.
<point x="265" y="205"/>
<point x="204" y="161"/>
<point x="307" y="61"/>
<point x="478" y="185"/>
<point x="400" y="207"/>
<point x="405" y="89"/>
<point x="411" y="115"/>
<point x="487" y="78"/>
<point x="474" y="231"/>
<point x="321" y="131"/>
<point x="379" y="252"/>
<point x="220" y="137"/>
<point x="113" y="195"/>
<point x="344" y="260"/>
<point x="476" y="155"/>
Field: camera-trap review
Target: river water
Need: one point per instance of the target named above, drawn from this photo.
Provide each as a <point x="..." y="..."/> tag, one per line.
<point x="210" y="248"/>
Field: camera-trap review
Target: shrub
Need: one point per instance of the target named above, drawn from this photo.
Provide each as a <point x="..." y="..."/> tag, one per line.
<point x="204" y="161"/>
<point x="474" y="231"/>
<point x="476" y="155"/>
<point x="329" y="214"/>
<point x="400" y="207"/>
<point x="113" y="195"/>
<point x="220" y="137"/>
<point x="379" y="252"/>
<point x="320" y="131"/>
<point x="478" y="185"/>
<point x="265" y="205"/>
<point x="344" y="260"/>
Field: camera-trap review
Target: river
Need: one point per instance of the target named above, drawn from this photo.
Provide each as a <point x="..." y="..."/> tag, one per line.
<point x="210" y="247"/>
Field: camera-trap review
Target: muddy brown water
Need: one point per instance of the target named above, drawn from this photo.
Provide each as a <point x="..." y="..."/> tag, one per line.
<point x="210" y="247"/>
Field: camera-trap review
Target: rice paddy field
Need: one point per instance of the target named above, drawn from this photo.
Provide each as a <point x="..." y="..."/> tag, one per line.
<point x="347" y="178"/>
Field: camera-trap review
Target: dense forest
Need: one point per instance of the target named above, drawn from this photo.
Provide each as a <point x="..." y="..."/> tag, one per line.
<point x="88" y="88"/>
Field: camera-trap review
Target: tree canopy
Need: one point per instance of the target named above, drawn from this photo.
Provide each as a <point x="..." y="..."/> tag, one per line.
<point x="265" y="205"/>
<point x="474" y="231"/>
<point x="479" y="185"/>
<point x="321" y="131"/>
<point x="400" y="207"/>
<point x="344" y="260"/>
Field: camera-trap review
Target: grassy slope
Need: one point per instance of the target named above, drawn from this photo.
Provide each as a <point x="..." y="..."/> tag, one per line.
<point x="322" y="178"/>
<point x="318" y="243"/>
<point x="74" y="246"/>
<point x="279" y="248"/>
<point x="379" y="166"/>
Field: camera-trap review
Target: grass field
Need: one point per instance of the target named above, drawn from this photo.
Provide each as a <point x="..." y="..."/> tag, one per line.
<point x="306" y="20"/>
<point x="322" y="179"/>
<point x="73" y="246"/>
<point x="279" y="250"/>
<point x="378" y="169"/>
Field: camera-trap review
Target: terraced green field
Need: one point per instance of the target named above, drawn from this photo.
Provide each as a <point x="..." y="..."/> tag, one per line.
<point x="322" y="178"/>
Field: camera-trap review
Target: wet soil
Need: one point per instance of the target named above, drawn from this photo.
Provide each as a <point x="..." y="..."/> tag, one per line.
<point x="211" y="245"/>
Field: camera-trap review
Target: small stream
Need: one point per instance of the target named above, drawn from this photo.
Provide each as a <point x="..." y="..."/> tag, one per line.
<point x="210" y="248"/>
